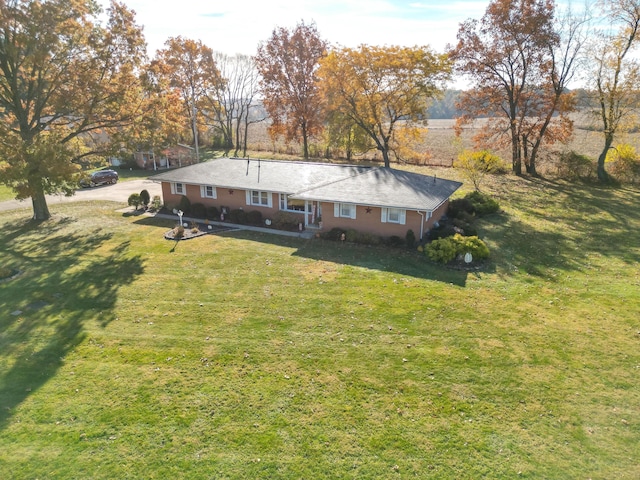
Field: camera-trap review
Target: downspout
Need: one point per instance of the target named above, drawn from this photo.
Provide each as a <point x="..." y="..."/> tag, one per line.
<point x="421" y="224"/>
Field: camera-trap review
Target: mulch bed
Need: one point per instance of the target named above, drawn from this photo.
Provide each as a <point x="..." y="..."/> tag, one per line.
<point x="202" y="229"/>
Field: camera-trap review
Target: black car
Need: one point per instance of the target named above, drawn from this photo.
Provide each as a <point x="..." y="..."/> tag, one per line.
<point x="101" y="177"/>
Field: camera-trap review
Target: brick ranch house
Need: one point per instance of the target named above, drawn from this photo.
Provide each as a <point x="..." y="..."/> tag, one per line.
<point x="376" y="200"/>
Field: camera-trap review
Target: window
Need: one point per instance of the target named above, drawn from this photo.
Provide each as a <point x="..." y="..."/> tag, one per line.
<point x="208" y="191"/>
<point x="178" y="188"/>
<point x="394" y="215"/>
<point x="292" y="205"/>
<point x="259" y="198"/>
<point x="344" y="210"/>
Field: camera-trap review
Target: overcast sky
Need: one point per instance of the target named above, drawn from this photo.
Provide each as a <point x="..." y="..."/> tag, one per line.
<point x="238" y="26"/>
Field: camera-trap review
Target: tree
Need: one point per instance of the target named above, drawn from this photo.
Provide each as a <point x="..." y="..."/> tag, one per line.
<point x="379" y="88"/>
<point x="475" y="165"/>
<point x="288" y="63"/>
<point x="65" y="80"/>
<point x="617" y="74"/>
<point x="189" y="69"/>
<point x="229" y="107"/>
<point x="145" y="197"/>
<point x="520" y="62"/>
<point x="134" y="200"/>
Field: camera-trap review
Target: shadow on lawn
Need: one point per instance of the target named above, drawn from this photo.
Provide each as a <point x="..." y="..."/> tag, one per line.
<point x="563" y="226"/>
<point x="397" y="260"/>
<point x="63" y="287"/>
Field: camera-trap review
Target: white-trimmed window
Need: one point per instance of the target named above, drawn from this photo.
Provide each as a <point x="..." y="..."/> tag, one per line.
<point x="394" y="215"/>
<point x="208" y="191"/>
<point x="178" y="188"/>
<point x="344" y="210"/>
<point x="292" y="205"/>
<point x="259" y="198"/>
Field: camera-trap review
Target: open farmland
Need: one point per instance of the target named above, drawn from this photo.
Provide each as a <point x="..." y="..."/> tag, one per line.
<point x="441" y="146"/>
<point x="247" y="355"/>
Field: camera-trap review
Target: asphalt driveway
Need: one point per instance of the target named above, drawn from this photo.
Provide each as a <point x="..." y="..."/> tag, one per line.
<point x="117" y="193"/>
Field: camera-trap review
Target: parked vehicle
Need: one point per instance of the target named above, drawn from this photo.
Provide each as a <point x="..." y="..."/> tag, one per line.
<point x="101" y="177"/>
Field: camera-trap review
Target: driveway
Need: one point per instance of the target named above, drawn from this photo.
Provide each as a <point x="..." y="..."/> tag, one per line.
<point x="117" y="193"/>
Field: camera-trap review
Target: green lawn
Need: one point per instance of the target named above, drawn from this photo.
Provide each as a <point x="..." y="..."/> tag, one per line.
<point x="244" y="355"/>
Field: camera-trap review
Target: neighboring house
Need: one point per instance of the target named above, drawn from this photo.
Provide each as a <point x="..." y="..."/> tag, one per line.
<point x="376" y="200"/>
<point x="176" y="156"/>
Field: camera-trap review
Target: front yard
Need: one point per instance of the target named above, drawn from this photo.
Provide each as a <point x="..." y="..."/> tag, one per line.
<point x="247" y="355"/>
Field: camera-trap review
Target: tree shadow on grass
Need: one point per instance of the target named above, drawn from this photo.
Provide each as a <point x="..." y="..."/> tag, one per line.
<point x="561" y="226"/>
<point x="65" y="285"/>
<point x="397" y="260"/>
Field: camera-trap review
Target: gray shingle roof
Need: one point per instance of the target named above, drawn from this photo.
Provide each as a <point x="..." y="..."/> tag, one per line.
<point x="373" y="186"/>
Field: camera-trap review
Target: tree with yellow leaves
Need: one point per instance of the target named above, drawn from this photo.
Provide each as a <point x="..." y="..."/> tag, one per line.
<point x="378" y="89"/>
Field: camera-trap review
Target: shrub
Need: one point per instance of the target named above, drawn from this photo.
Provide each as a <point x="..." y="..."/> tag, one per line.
<point x="447" y="249"/>
<point x="145" y="197"/>
<point x="475" y="165"/>
<point x="134" y="200"/>
<point x="156" y="203"/>
<point x="352" y="236"/>
<point x="254" y="217"/>
<point x="472" y="245"/>
<point x="184" y="205"/>
<point x="395" y="241"/>
<point x="286" y="221"/>
<point x="212" y="213"/>
<point x="482" y="203"/>
<point x="444" y="230"/>
<point x="369" y="239"/>
<point x="238" y="216"/>
<point x="625" y="163"/>
<point x="442" y="250"/>
<point x="574" y="165"/>
<point x="334" y="234"/>
<point x="459" y="206"/>
<point x="466" y="227"/>
<point x="178" y="232"/>
<point x="410" y="238"/>
<point x="198" y="210"/>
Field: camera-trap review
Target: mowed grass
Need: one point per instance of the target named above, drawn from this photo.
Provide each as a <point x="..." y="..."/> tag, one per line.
<point x="246" y="355"/>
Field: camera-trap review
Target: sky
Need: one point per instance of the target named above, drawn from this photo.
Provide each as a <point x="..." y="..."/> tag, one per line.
<point x="238" y="26"/>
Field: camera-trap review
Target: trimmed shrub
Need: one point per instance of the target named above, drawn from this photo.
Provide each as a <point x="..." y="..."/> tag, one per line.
<point x="482" y="203"/>
<point x="156" y="203"/>
<point x="198" y="210"/>
<point x="410" y="239"/>
<point x="444" y="230"/>
<point x="145" y="198"/>
<point x="178" y="232"/>
<point x="254" y="217"/>
<point x="238" y="216"/>
<point x="466" y="227"/>
<point x="459" y="206"/>
<point x="442" y="250"/>
<point x="184" y="204"/>
<point x="334" y="234"/>
<point x="472" y="245"/>
<point x="352" y="236"/>
<point x="395" y="241"/>
<point x="213" y="213"/>
<point x="286" y="221"/>
<point x="134" y="200"/>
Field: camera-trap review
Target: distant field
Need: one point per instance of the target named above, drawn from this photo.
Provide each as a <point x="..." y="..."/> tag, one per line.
<point x="443" y="147"/>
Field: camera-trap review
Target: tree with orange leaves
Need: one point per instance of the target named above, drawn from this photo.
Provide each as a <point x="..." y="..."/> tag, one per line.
<point x="520" y="61"/>
<point x="288" y="63"/>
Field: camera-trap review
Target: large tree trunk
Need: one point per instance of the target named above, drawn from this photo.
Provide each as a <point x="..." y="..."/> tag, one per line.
<point x="385" y="157"/>
<point x="603" y="176"/>
<point x="40" y="208"/>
